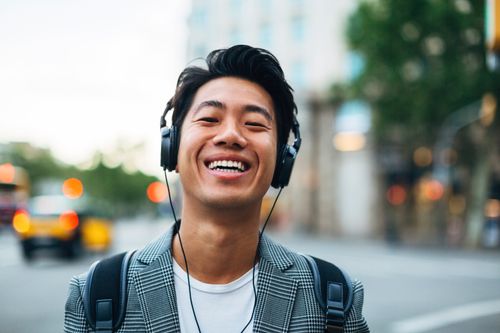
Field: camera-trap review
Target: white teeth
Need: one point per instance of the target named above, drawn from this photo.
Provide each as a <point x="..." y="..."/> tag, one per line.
<point x="223" y="165"/>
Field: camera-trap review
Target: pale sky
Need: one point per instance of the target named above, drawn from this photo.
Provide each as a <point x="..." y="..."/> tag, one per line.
<point x="81" y="76"/>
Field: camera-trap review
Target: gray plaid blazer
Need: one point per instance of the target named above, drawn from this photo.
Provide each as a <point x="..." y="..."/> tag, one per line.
<point x="285" y="302"/>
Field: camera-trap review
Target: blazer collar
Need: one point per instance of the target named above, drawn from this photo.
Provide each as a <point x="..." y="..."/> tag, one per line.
<point x="156" y="292"/>
<point x="276" y="254"/>
<point x="271" y="251"/>
<point x="157" y="247"/>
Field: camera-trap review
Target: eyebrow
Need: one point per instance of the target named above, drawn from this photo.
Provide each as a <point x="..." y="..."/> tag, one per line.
<point x="248" y="108"/>
<point x="210" y="103"/>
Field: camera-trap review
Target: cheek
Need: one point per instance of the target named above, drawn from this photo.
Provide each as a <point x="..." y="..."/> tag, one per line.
<point x="269" y="150"/>
<point x="187" y="147"/>
<point x="181" y="153"/>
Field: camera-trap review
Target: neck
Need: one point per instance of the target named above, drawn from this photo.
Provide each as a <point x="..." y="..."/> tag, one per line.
<point x="220" y="244"/>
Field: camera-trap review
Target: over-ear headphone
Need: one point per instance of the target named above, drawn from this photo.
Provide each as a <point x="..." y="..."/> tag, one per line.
<point x="170" y="137"/>
<point x="286" y="158"/>
<point x="169" y="142"/>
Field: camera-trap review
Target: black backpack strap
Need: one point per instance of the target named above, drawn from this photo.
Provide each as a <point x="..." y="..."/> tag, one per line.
<point x="333" y="291"/>
<point x="105" y="295"/>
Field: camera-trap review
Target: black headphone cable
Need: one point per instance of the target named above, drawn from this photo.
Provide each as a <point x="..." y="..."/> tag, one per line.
<point x="177" y="230"/>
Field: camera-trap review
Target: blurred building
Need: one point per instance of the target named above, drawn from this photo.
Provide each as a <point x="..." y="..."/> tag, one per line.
<point x="332" y="189"/>
<point x="306" y="36"/>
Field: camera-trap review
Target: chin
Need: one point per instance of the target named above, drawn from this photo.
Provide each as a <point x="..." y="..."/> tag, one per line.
<point x="229" y="201"/>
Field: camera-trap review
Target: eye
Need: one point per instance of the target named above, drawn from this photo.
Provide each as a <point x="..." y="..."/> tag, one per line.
<point x="208" y="120"/>
<point x="252" y="123"/>
<point x="255" y="124"/>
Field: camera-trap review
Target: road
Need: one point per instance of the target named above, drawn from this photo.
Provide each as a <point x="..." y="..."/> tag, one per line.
<point x="406" y="290"/>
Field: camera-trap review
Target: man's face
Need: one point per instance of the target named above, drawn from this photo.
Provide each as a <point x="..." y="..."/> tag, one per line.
<point x="227" y="151"/>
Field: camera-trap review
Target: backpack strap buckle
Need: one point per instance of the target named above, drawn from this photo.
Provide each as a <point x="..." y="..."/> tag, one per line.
<point x="335" y="317"/>
<point x="104" y="316"/>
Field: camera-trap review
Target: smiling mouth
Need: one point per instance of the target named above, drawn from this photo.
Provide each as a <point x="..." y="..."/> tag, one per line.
<point x="228" y="166"/>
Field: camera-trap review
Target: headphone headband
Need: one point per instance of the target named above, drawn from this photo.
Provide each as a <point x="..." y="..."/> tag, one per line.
<point x="163" y="121"/>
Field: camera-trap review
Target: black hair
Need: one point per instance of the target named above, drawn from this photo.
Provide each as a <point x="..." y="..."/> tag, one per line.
<point x="253" y="64"/>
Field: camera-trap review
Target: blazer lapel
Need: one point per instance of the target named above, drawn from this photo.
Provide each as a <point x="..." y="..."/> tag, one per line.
<point x="154" y="284"/>
<point x="155" y="287"/>
<point x="275" y="291"/>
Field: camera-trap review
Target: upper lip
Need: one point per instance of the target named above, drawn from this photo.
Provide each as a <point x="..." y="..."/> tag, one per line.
<point x="226" y="157"/>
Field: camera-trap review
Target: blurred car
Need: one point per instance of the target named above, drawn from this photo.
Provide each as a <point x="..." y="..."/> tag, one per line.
<point x="67" y="225"/>
<point x="14" y="188"/>
<point x="7" y="205"/>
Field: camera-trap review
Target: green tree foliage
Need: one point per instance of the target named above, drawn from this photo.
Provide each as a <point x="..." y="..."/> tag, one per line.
<point x="422" y="61"/>
<point x="123" y="193"/>
<point x="116" y="191"/>
<point x="39" y="162"/>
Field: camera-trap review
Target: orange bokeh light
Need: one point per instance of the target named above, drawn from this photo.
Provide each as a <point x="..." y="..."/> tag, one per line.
<point x="157" y="192"/>
<point x="433" y="190"/>
<point x="7" y="173"/>
<point x="21" y="221"/>
<point x="72" y="188"/>
<point x="69" y="220"/>
<point x="396" y="195"/>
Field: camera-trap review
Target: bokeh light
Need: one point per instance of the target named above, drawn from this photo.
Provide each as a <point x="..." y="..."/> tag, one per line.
<point x="7" y="173"/>
<point x="72" y="188"/>
<point x="422" y="156"/>
<point x="488" y="109"/>
<point x="349" y="141"/>
<point x="21" y="222"/>
<point x="433" y="190"/>
<point x="396" y="195"/>
<point x="492" y="208"/>
<point x="69" y="220"/>
<point x="157" y="192"/>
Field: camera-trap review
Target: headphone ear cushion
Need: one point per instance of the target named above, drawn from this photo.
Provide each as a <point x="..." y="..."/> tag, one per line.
<point x="165" y="148"/>
<point x="169" y="148"/>
<point x="174" y="147"/>
<point x="284" y="166"/>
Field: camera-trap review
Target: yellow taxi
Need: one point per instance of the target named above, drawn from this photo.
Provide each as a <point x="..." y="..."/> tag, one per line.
<point x="58" y="222"/>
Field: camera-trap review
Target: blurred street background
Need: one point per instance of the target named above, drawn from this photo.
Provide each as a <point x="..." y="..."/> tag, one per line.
<point x="407" y="289"/>
<point x="397" y="180"/>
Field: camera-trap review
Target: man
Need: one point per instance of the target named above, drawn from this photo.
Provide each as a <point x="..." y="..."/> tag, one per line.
<point x="214" y="272"/>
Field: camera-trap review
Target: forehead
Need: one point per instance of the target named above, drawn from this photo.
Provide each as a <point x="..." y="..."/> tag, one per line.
<point x="234" y="92"/>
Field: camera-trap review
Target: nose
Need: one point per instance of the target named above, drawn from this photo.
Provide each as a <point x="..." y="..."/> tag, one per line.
<point x="230" y="134"/>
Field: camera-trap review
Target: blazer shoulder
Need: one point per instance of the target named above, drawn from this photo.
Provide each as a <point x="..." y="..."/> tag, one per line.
<point x="355" y="321"/>
<point x="296" y="267"/>
<point x="74" y="313"/>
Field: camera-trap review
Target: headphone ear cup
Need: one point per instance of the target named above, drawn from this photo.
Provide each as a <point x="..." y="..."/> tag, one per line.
<point x="284" y="166"/>
<point x="169" y="148"/>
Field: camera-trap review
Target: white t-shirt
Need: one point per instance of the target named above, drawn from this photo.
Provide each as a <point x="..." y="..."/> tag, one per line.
<point x="219" y="307"/>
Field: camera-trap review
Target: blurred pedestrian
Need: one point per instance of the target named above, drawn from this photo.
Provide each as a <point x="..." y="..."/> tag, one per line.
<point x="214" y="271"/>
